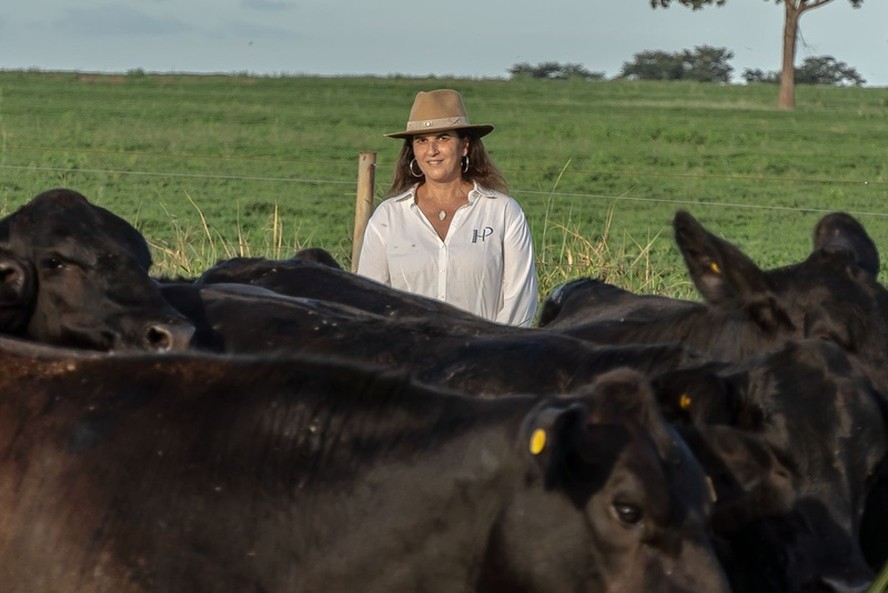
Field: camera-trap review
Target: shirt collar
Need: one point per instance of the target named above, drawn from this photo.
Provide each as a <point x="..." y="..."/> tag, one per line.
<point x="476" y="192"/>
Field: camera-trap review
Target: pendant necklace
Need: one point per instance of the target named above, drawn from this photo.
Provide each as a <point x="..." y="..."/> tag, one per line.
<point x="442" y="215"/>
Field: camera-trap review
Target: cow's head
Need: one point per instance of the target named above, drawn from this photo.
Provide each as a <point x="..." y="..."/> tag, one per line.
<point x="90" y="278"/>
<point x="791" y="442"/>
<point x="629" y="500"/>
<point x="832" y="295"/>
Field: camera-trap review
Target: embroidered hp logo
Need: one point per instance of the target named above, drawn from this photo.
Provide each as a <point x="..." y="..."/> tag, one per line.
<point x="481" y="235"/>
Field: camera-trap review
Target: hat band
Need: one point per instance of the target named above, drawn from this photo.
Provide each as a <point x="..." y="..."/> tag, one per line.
<point x="445" y="122"/>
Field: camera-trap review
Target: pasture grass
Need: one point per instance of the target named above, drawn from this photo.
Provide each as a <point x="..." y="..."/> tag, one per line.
<point x="213" y="166"/>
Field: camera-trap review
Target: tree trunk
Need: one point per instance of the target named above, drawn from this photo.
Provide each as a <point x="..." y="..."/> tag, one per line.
<point x="793" y="11"/>
<point x="787" y="74"/>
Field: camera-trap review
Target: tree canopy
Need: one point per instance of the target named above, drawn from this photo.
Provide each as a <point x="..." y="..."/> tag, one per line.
<point x="814" y="70"/>
<point x="704" y="64"/>
<point x="553" y="71"/>
<point x="697" y="4"/>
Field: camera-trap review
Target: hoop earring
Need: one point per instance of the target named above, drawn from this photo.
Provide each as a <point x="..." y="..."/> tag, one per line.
<point x="412" y="172"/>
<point x="464" y="166"/>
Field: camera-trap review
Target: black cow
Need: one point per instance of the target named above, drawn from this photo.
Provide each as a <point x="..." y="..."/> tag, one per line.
<point x="246" y="319"/>
<point x="584" y="300"/>
<point x="791" y="441"/>
<point x="309" y="279"/>
<point x="832" y="295"/>
<point x="185" y="473"/>
<point x="75" y="274"/>
<point x="317" y="255"/>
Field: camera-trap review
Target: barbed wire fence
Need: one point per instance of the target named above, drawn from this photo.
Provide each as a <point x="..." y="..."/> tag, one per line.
<point x="351" y="182"/>
<point x="358" y="178"/>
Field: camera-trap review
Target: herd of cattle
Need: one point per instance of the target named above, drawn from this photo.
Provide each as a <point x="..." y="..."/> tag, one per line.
<point x="288" y="426"/>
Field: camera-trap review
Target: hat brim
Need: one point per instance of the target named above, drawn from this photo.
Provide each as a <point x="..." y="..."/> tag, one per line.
<point x="477" y="130"/>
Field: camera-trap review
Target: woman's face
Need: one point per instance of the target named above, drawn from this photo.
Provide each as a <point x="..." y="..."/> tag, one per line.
<point x="439" y="154"/>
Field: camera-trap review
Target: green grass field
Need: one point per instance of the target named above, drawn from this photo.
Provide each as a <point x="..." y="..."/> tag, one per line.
<point x="215" y="166"/>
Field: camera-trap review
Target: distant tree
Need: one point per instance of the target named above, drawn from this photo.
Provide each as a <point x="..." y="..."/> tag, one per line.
<point x="704" y="64"/>
<point x="522" y="69"/>
<point x="814" y="70"/>
<point x="553" y="71"/>
<point x="793" y="10"/>
<point x="752" y="75"/>
<point x="708" y="64"/>
<point x="654" y="65"/>
<point x="827" y="70"/>
<point x="578" y="71"/>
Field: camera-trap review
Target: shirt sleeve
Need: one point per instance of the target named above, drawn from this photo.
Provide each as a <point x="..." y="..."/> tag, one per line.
<point x="372" y="261"/>
<point x="520" y="291"/>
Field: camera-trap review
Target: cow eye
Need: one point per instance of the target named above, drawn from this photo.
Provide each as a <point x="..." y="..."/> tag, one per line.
<point x="53" y="263"/>
<point x="628" y="513"/>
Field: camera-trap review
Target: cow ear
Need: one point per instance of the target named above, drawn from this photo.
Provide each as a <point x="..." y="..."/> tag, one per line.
<point x="726" y="277"/>
<point x="552" y="305"/>
<point x="574" y="454"/>
<point x="547" y="435"/>
<point x="840" y="231"/>
<point x="621" y="406"/>
<point x="706" y="395"/>
<point x="696" y="395"/>
<point x="722" y="273"/>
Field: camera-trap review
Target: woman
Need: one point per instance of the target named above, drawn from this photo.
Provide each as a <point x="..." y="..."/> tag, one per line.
<point x="450" y="231"/>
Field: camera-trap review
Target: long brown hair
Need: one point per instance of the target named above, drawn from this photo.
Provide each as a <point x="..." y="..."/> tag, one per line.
<point x="481" y="168"/>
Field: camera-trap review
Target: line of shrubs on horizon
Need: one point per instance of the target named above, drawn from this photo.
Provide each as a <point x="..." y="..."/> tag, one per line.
<point x="703" y="64"/>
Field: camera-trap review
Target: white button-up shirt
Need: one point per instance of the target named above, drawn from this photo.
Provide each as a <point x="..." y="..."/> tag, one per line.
<point x="484" y="265"/>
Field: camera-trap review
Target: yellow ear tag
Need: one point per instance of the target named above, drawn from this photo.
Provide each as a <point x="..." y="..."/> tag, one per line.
<point x="714" y="267"/>
<point x="684" y="402"/>
<point x="537" y="441"/>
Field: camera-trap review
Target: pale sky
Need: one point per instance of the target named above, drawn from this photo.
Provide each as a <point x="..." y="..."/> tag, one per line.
<point x="474" y="38"/>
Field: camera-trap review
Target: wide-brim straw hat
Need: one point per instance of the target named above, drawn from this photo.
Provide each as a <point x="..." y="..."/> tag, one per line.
<point x="442" y="109"/>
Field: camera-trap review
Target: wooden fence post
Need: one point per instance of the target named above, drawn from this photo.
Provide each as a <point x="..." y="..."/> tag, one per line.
<point x="363" y="202"/>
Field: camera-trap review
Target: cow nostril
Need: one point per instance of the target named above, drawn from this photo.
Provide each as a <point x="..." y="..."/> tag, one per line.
<point x="159" y="338"/>
<point x="11" y="275"/>
<point x="164" y="338"/>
